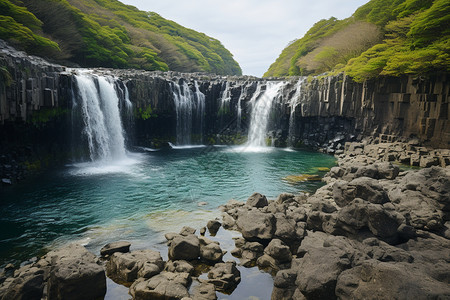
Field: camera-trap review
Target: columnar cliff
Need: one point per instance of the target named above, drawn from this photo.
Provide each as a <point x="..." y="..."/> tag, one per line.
<point x="36" y="116"/>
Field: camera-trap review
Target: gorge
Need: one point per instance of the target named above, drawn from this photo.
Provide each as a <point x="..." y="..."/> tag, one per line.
<point x="126" y="145"/>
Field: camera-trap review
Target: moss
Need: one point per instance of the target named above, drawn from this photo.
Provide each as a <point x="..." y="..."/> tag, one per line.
<point x="146" y="113"/>
<point x="45" y="115"/>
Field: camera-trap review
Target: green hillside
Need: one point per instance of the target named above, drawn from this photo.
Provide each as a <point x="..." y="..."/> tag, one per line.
<point x="108" y="33"/>
<point x="382" y="37"/>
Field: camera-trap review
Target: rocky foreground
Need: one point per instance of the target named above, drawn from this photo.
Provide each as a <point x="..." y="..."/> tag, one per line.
<point x="372" y="232"/>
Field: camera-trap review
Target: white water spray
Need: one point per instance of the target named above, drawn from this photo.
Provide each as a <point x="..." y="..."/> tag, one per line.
<point x="99" y="105"/>
<point x="293" y="105"/>
<point x="261" y="107"/>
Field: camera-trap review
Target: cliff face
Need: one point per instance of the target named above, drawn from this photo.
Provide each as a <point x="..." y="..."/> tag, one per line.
<point x="36" y="117"/>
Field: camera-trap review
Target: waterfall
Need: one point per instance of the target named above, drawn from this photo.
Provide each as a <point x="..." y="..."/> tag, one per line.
<point x="242" y="96"/>
<point x="200" y="98"/>
<point x="99" y="105"/>
<point x="261" y="107"/>
<point x="190" y="107"/>
<point x="293" y="105"/>
<point x="225" y="98"/>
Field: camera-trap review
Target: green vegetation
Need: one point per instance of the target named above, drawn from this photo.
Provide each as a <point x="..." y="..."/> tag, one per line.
<point x="145" y="114"/>
<point x="108" y="33"/>
<point x="383" y="37"/>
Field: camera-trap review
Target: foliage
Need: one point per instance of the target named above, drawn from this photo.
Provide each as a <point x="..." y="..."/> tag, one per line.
<point x="5" y="77"/>
<point x="17" y="25"/>
<point x="145" y="114"/>
<point x="386" y="37"/>
<point x="109" y="33"/>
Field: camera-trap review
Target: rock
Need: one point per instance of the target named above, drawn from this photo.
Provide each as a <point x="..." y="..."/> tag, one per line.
<point x="127" y="267"/>
<point x="186" y="230"/>
<point x="279" y="251"/>
<point x="225" y="276"/>
<point x="285" y="198"/>
<point x="255" y="225"/>
<point x="228" y="221"/>
<point x="381" y="280"/>
<point x="285" y="228"/>
<point x="257" y="200"/>
<point x="284" y="285"/>
<point x="249" y="252"/>
<point x="320" y="266"/>
<point x="210" y="251"/>
<point x="184" y="248"/>
<point x="162" y="286"/>
<point x="204" y="291"/>
<point x="75" y="274"/>
<point x="111" y="248"/>
<point x="213" y="226"/>
<point x="28" y="283"/>
<point x="179" y="266"/>
<point x="364" y="187"/>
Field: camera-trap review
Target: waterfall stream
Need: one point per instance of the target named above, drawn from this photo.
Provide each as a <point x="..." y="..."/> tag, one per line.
<point x="99" y="104"/>
<point x="260" y="115"/>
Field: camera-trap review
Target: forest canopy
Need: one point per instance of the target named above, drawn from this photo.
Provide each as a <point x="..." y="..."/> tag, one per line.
<point x="108" y="33"/>
<point x="382" y="37"/>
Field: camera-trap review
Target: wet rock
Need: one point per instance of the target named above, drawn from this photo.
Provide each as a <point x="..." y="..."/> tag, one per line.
<point x="255" y="225"/>
<point x="184" y="248"/>
<point x="162" y="286"/>
<point x="179" y="266"/>
<point x="186" y="230"/>
<point x="127" y="267"/>
<point x="213" y="226"/>
<point x="204" y="291"/>
<point x="284" y="285"/>
<point x="248" y="252"/>
<point x="75" y="274"/>
<point x="225" y="276"/>
<point x="210" y="251"/>
<point x="257" y="200"/>
<point x="279" y="251"/>
<point x="111" y="248"/>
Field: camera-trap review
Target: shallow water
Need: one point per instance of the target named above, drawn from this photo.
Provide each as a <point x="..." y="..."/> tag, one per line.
<point x="142" y="197"/>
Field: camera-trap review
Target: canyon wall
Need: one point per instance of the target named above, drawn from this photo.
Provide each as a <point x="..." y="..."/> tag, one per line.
<point x="36" y="119"/>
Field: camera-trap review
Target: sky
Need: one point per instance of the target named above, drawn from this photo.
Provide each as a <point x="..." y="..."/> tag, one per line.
<point x="254" y="31"/>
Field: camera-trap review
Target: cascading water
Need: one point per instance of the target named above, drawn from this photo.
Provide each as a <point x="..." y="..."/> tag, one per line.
<point x="99" y="104"/>
<point x="243" y="95"/>
<point x="261" y="106"/>
<point x="188" y="105"/>
<point x="200" y="98"/>
<point x="293" y="105"/>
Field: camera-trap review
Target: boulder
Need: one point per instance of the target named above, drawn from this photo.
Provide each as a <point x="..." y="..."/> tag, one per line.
<point x="210" y="251"/>
<point x="213" y="226"/>
<point x="224" y="276"/>
<point x="75" y="274"/>
<point x="285" y="198"/>
<point x="127" y="267"/>
<point x="364" y="187"/>
<point x="256" y="225"/>
<point x="381" y="280"/>
<point x="186" y="230"/>
<point x="204" y="291"/>
<point x="162" y="286"/>
<point x="284" y="285"/>
<point x="184" y="248"/>
<point x="285" y="227"/>
<point x="257" y="200"/>
<point x="179" y="266"/>
<point x="279" y="251"/>
<point x="111" y="248"/>
<point x="28" y="283"/>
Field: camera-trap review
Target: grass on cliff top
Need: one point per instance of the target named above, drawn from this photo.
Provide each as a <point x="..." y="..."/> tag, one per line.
<point x="108" y="33"/>
<point x="382" y="37"/>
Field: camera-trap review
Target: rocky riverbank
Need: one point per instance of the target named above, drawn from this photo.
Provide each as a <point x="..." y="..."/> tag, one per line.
<point x="374" y="231"/>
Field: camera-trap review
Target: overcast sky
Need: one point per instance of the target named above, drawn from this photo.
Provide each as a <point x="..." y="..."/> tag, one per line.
<point x="255" y="31"/>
